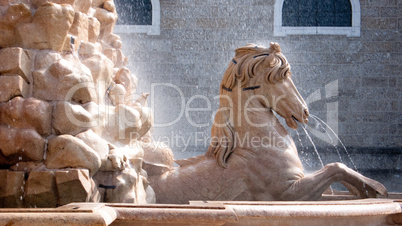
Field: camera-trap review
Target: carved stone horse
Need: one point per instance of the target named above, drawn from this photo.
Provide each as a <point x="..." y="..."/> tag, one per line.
<point x="251" y="156"/>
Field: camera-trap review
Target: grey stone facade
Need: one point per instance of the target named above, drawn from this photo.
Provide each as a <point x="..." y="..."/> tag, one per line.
<point x="197" y="41"/>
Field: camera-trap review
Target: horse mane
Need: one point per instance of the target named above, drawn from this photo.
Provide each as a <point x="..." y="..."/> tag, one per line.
<point x="248" y="58"/>
<point x="239" y="71"/>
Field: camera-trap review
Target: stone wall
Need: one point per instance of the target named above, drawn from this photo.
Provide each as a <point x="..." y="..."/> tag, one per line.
<point x="359" y="78"/>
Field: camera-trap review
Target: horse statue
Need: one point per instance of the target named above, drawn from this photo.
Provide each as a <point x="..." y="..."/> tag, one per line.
<point x="251" y="156"/>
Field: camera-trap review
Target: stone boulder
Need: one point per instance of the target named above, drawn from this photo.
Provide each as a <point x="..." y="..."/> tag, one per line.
<point x="95" y="142"/>
<point x="93" y="29"/>
<point x="15" y="61"/>
<point x="45" y="58"/>
<point x="12" y="86"/>
<point x="111" y="53"/>
<point x="14" y="15"/>
<point x="107" y="17"/>
<point x="7" y="35"/>
<point x="102" y="72"/>
<point x="27" y="113"/>
<point x="67" y="80"/>
<point x="17" y="13"/>
<point x="40" y="190"/>
<point x="88" y="49"/>
<point x="66" y="151"/>
<point x="75" y="186"/>
<point x="69" y="118"/>
<point x="79" y="28"/>
<point x="11" y="189"/>
<point x="78" y="5"/>
<point x="49" y="27"/>
<point x="18" y="145"/>
<point x="113" y="41"/>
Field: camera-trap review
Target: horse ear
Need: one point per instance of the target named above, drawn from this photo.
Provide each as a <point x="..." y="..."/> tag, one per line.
<point x="275" y="47"/>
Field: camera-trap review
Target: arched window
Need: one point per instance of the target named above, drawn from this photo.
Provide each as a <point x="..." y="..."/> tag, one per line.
<point x="332" y="17"/>
<point x="138" y="16"/>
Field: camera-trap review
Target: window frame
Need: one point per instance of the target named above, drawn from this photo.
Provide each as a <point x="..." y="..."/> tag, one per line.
<point x="153" y="29"/>
<point x="353" y="31"/>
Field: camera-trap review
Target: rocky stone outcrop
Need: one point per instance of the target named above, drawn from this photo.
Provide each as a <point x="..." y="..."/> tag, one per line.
<point x="66" y="79"/>
<point x="68" y="116"/>
<point x="66" y="151"/>
<point x="17" y="145"/>
<point x="49" y="28"/>
<point x="95" y="142"/>
<point x="27" y="113"/>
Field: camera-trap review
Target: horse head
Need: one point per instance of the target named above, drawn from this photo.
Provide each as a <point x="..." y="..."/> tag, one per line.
<point x="268" y="72"/>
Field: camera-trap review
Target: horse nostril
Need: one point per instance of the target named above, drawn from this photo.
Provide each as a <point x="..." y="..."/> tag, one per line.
<point x="306" y="112"/>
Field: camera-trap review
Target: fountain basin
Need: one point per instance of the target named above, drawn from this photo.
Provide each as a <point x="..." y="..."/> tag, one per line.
<point x="338" y="212"/>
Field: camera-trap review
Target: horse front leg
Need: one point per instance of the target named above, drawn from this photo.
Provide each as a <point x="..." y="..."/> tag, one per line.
<point x="312" y="186"/>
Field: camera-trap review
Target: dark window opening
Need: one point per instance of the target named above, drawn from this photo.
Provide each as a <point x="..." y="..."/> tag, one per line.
<point x="317" y="13"/>
<point x="134" y="12"/>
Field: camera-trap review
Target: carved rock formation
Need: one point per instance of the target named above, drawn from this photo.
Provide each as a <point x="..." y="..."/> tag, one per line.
<point x="68" y="122"/>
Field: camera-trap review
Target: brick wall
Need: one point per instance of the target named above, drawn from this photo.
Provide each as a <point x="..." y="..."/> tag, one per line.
<point x="197" y="41"/>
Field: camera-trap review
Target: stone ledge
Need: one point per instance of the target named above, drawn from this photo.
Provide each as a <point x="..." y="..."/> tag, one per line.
<point x="339" y="212"/>
<point x="343" y="212"/>
<point x="71" y="214"/>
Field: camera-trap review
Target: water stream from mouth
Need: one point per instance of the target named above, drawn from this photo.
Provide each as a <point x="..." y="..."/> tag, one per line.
<point x="316" y="151"/>
<point x="337" y="137"/>
<point x="315" y="148"/>
<point x="320" y="122"/>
